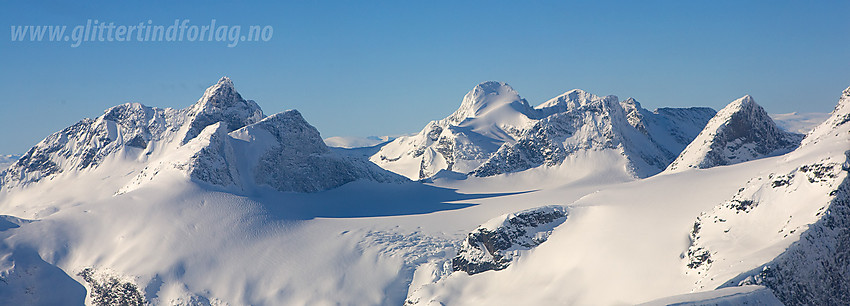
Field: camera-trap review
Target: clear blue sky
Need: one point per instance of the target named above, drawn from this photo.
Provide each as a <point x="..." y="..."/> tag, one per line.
<point x="364" y="68"/>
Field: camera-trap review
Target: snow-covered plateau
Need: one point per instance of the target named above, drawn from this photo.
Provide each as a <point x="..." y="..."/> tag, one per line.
<point x="580" y="200"/>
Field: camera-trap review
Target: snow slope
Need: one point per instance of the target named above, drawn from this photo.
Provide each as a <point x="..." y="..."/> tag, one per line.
<point x="800" y="123"/>
<point x="740" y="132"/>
<point x="787" y="230"/>
<point x="184" y="238"/>
<point x="743" y="295"/>
<point x="351" y="142"/>
<point x="619" y="237"/>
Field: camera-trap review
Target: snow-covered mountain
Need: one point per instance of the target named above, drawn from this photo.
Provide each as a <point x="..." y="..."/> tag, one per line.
<point x="222" y="140"/>
<point x="787" y="230"/>
<point x="592" y="129"/>
<point x="164" y="218"/>
<point x="741" y="131"/>
<point x="495" y="131"/>
<point x="491" y="114"/>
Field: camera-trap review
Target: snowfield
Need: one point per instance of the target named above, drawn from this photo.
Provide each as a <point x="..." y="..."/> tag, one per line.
<point x="219" y="204"/>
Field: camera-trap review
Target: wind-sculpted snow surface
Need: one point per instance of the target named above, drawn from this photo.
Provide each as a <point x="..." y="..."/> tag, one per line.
<point x="741" y="131"/>
<point x="222" y="140"/>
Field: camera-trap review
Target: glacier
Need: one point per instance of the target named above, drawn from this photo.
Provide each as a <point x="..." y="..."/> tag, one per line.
<point x="501" y="202"/>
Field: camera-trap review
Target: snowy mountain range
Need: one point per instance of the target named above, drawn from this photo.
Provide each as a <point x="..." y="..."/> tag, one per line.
<point x="495" y="131"/>
<point x="578" y="200"/>
<point x="222" y="140"/>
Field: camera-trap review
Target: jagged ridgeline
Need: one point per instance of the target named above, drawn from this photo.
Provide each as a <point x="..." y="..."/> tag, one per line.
<point x="222" y="140"/>
<point x="495" y="131"/>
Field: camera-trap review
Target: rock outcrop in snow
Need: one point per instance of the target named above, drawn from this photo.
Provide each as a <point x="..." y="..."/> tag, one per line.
<point x="222" y="140"/>
<point x="787" y="230"/>
<point x="494" y="244"/>
<point x="741" y="131"/>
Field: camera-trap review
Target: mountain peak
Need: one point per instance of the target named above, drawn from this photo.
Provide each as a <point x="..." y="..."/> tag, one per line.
<point x="487" y="96"/>
<point x="745" y="101"/>
<point x="631" y="103"/>
<point x="225" y="81"/>
<point x="221" y="95"/>
<point x="569" y="100"/>
<point x="221" y="102"/>
<point x="741" y="131"/>
<point x="492" y="87"/>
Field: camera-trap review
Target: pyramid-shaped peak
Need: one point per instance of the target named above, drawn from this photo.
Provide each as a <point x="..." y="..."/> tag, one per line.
<point x="221" y="95"/>
<point x="741" y="131"/>
<point x="221" y="102"/>
<point x="745" y="104"/>
<point x="225" y="81"/>
<point x="746" y="100"/>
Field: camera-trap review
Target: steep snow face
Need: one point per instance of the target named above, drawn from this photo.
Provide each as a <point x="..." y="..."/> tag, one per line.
<point x="490" y="115"/>
<point x="129" y="128"/>
<point x="296" y="158"/>
<point x="836" y="125"/>
<point x="741" y="131"/>
<point x="281" y="151"/>
<point x="787" y="230"/>
<point x="580" y="123"/>
<point x="671" y="129"/>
